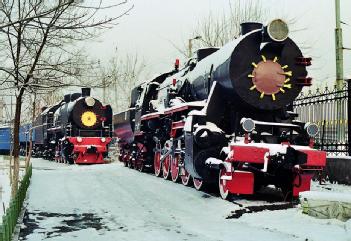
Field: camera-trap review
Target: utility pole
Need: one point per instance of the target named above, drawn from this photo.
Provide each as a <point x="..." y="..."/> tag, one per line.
<point x="338" y="48"/>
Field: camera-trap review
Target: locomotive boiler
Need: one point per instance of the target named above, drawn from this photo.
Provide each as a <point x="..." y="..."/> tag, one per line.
<point x="77" y="130"/>
<point x="226" y="117"/>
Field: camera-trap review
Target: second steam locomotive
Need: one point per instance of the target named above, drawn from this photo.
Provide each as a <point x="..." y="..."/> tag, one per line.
<point x="226" y="118"/>
<point x="77" y="130"/>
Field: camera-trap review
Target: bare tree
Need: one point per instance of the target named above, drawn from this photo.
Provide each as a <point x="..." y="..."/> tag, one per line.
<point x="216" y="30"/>
<point x="38" y="53"/>
<point x="121" y="74"/>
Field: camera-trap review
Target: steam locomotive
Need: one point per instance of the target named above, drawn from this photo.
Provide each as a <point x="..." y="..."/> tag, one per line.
<point x="226" y="118"/>
<point x="77" y="130"/>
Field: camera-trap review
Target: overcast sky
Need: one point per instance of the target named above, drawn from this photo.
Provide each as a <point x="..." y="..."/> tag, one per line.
<point x="152" y="25"/>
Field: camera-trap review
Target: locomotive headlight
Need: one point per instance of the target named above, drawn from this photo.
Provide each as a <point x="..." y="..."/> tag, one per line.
<point x="89" y="101"/>
<point x="278" y="30"/>
<point x="79" y="139"/>
<point x="311" y="129"/>
<point x="248" y="124"/>
<point x="103" y="139"/>
<point x="88" y="118"/>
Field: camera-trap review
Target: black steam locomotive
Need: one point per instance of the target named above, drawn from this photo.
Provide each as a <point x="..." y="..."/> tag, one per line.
<point x="226" y="117"/>
<point x="78" y="130"/>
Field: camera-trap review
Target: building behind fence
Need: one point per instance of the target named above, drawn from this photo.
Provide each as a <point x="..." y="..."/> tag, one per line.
<point x="329" y="108"/>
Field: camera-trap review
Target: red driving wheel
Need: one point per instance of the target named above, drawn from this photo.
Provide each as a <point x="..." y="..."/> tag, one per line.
<point x="175" y="167"/>
<point x="166" y="167"/>
<point x="157" y="163"/>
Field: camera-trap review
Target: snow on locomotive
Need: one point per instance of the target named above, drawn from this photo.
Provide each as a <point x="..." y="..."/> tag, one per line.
<point x="77" y="130"/>
<point x="226" y="117"/>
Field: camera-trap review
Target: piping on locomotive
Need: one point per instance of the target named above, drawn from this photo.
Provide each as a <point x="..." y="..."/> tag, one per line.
<point x="77" y="130"/>
<point x="226" y="117"/>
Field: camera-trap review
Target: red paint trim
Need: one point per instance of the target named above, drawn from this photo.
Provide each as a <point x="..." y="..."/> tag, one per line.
<point x="303" y="61"/>
<point x="82" y="149"/>
<point x="242" y="182"/>
<point x="304" y="81"/>
<point x="315" y="158"/>
<point x="247" y="139"/>
<point x="139" y="133"/>
<point x="251" y="154"/>
<point x="302" y="183"/>
<point x="157" y="163"/>
<point x="311" y="144"/>
<point x="177" y="125"/>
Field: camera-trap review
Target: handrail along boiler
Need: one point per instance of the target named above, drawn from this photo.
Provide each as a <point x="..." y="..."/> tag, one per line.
<point x="226" y="117"/>
<point x="78" y="130"/>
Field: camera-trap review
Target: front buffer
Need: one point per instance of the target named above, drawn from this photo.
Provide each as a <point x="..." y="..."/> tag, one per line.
<point x="89" y="150"/>
<point x="289" y="167"/>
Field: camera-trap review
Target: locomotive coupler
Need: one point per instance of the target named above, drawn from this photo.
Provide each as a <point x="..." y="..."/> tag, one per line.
<point x="91" y="149"/>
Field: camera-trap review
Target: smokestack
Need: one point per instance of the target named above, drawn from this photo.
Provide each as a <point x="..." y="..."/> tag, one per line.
<point x="67" y="98"/>
<point x="250" y="26"/>
<point x="85" y="92"/>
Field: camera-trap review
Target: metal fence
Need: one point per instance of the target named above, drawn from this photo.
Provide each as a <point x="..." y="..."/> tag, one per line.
<point x="12" y="213"/>
<point x="328" y="107"/>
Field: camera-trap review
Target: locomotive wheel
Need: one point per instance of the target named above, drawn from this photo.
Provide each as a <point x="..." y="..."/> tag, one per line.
<point x="223" y="189"/>
<point x="157" y="164"/>
<point x="166" y="167"/>
<point x="140" y="165"/>
<point x="136" y="165"/>
<point x="124" y="159"/>
<point x="130" y="164"/>
<point x="175" y="168"/>
<point x="198" y="184"/>
<point x="186" y="178"/>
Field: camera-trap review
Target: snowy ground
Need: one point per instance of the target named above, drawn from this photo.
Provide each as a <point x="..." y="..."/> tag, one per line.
<point x="5" y="189"/>
<point x="111" y="202"/>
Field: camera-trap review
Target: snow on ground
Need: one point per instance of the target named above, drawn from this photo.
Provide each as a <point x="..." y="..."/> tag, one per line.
<point x="328" y="187"/>
<point x="111" y="202"/>
<point x="5" y="188"/>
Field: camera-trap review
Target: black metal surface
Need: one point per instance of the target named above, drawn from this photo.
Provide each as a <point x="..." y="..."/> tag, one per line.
<point x="86" y="92"/>
<point x="250" y="26"/>
<point x="338" y="169"/>
<point x="203" y="53"/>
<point x="122" y="125"/>
<point x="232" y="72"/>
